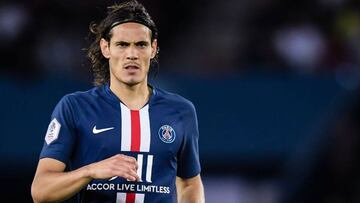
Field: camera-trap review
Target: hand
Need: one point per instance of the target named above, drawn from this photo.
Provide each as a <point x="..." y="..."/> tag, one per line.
<point x="119" y="165"/>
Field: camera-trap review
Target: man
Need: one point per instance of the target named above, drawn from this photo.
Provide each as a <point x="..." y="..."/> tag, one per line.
<point x="124" y="140"/>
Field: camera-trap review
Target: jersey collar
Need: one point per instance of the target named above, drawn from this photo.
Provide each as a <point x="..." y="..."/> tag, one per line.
<point x="110" y="94"/>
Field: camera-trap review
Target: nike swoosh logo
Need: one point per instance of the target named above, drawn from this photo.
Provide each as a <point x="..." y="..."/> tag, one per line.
<point x="97" y="131"/>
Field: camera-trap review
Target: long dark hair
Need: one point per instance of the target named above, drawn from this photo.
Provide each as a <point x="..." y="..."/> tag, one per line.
<point x="130" y="11"/>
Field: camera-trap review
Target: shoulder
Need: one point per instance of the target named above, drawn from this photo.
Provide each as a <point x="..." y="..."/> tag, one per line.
<point x="72" y="102"/>
<point x="177" y="101"/>
<point x="82" y="96"/>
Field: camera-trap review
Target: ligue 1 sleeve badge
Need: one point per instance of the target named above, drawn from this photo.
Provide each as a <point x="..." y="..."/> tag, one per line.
<point x="53" y="131"/>
<point x="167" y="134"/>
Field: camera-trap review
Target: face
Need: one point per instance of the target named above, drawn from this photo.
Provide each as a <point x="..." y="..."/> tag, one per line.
<point x="129" y="52"/>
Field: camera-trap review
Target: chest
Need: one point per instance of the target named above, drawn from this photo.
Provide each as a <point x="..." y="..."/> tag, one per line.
<point x="105" y="131"/>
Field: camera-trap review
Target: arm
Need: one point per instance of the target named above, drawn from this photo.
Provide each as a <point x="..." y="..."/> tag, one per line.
<point x="190" y="190"/>
<point x="52" y="184"/>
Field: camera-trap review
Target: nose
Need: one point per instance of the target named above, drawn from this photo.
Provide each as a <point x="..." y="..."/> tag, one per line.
<point x="132" y="53"/>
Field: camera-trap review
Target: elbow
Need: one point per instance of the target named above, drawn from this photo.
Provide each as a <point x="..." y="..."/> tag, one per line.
<point x="37" y="194"/>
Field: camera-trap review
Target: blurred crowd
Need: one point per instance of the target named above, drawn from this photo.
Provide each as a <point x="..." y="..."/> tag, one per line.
<point x="41" y="37"/>
<point x="208" y="38"/>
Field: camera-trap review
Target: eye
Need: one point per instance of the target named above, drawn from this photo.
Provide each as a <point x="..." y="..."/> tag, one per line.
<point x="142" y="44"/>
<point x="122" y="44"/>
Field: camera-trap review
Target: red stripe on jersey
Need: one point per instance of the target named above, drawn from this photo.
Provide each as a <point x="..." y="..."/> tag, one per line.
<point x="135" y="131"/>
<point x="130" y="197"/>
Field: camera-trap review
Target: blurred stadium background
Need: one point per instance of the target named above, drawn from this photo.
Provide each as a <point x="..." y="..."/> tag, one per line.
<point x="275" y="83"/>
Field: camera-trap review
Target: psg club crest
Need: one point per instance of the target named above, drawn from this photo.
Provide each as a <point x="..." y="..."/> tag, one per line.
<point x="167" y="134"/>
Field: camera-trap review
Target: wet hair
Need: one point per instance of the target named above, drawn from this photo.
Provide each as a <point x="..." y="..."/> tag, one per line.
<point x="130" y="11"/>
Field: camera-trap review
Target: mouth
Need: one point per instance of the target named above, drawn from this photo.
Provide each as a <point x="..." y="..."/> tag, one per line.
<point x="132" y="67"/>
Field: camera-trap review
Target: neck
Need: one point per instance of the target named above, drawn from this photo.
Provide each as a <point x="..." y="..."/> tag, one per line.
<point x="134" y="97"/>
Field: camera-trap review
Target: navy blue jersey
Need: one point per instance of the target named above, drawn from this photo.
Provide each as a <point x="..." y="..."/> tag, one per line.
<point x="87" y="127"/>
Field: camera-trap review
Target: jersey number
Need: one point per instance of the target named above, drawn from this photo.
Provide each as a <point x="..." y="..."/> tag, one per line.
<point x="122" y="197"/>
<point x="140" y="160"/>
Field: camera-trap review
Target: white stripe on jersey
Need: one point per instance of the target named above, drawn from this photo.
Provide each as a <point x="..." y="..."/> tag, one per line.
<point x="125" y="128"/>
<point x="140" y="164"/>
<point x="145" y="129"/>
<point x="139" y="198"/>
<point x="149" y="168"/>
<point x="145" y="132"/>
<point x="120" y="197"/>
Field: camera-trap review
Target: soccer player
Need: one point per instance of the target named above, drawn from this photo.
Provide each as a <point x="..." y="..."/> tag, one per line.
<point x="124" y="140"/>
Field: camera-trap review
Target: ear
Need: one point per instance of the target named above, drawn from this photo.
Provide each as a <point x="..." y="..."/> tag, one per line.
<point x="105" y="49"/>
<point x="154" y="48"/>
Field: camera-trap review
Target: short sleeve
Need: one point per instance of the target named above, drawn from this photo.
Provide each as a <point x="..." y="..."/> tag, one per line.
<point x="60" y="135"/>
<point x="188" y="156"/>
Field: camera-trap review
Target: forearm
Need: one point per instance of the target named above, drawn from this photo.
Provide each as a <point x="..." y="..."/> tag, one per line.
<point x="52" y="184"/>
<point x="190" y="190"/>
<point x="192" y="194"/>
<point x="59" y="186"/>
